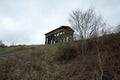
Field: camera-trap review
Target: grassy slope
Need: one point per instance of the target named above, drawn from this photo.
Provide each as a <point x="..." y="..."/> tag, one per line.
<point x="13" y="49"/>
<point x="63" y="62"/>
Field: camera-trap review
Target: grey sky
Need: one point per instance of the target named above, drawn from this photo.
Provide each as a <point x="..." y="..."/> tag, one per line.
<point x="26" y="21"/>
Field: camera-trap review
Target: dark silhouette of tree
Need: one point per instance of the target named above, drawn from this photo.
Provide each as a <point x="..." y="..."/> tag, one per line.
<point x="2" y="44"/>
<point x="87" y="23"/>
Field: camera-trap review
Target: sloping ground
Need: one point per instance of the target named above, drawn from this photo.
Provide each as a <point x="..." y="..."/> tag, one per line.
<point x="15" y="50"/>
<point x="65" y="61"/>
<point x="111" y="55"/>
<point x="8" y="50"/>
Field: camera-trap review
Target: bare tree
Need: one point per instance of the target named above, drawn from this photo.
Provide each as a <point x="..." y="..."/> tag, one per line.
<point x="118" y="28"/>
<point x="2" y="44"/>
<point x="88" y="25"/>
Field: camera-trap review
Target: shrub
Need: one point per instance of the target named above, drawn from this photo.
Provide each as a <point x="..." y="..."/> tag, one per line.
<point x="65" y="52"/>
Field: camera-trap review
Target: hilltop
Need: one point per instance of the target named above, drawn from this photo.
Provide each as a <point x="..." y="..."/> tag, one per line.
<point x="63" y="61"/>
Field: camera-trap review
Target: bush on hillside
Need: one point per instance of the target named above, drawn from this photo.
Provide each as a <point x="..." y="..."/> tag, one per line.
<point x="65" y="52"/>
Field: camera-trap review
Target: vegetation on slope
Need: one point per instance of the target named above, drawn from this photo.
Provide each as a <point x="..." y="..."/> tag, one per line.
<point x="66" y="61"/>
<point x="14" y="49"/>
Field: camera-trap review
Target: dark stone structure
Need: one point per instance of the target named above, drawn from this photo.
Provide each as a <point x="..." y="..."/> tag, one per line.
<point x="61" y="34"/>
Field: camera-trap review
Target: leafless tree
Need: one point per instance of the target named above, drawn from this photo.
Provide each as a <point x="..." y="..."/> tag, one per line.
<point x="2" y="44"/>
<point x="118" y="29"/>
<point x="88" y="25"/>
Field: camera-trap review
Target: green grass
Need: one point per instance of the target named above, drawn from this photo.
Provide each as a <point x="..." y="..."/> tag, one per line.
<point x="8" y="50"/>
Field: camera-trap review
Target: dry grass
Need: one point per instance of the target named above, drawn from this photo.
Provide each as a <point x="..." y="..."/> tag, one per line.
<point x="65" y="62"/>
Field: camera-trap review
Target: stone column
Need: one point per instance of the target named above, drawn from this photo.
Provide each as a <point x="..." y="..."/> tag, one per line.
<point x="59" y="37"/>
<point x="68" y="38"/>
<point x="72" y="37"/>
<point x="56" y="38"/>
<point x="52" y="39"/>
<point x="46" y="40"/>
<point x="62" y="37"/>
<point x="49" y="40"/>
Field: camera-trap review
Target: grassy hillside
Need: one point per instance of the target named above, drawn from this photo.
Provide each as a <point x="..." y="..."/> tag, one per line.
<point x="8" y="50"/>
<point x="64" y="61"/>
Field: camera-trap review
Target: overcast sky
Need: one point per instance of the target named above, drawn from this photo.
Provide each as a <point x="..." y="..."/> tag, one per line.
<point x="26" y="21"/>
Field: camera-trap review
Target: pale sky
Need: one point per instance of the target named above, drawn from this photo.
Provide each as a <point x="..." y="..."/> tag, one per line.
<point x="26" y="21"/>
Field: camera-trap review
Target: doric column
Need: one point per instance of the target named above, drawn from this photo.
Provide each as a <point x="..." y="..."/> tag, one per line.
<point x="45" y="40"/>
<point x="65" y="37"/>
<point x="49" y="40"/>
<point x="62" y="36"/>
<point x="58" y="36"/>
<point x="72" y="37"/>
